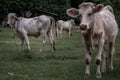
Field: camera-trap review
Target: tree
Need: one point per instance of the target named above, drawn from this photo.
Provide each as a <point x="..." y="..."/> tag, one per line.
<point x="54" y="6"/>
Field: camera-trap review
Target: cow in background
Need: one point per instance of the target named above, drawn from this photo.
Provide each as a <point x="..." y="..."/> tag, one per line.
<point x="36" y="26"/>
<point x="64" y="25"/>
<point x="98" y="27"/>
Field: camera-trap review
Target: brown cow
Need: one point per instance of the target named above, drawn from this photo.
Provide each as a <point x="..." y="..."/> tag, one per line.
<point x="98" y="27"/>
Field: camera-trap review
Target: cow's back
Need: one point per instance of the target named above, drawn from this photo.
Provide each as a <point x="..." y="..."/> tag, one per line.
<point x="67" y="25"/>
<point x="110" y="25"/>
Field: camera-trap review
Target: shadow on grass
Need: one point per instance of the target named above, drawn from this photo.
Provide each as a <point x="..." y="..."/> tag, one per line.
<point x="56" y="57"/>
<point x="43" y="56"/>
<point x="23" y="56"/>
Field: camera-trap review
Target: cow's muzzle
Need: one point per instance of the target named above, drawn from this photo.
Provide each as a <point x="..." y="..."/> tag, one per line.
<point x="7" y="25"/>
<point x="83" y="27"/>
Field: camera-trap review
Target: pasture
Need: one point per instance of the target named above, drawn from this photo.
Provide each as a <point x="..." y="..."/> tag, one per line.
<point x="66" y="63"/>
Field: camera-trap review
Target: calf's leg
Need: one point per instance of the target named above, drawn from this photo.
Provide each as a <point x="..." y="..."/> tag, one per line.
<point x="69" y="33"/>
<point x="87" y="43"/>
<point x="51" y="38"/>
<point x="57" y="33"/>
<point x="60" y="32"/>
<point x="27" y="41"/>
<point x="43" y="34"/>
<point x="111" y="52"/>
<point x="88" y="60"/>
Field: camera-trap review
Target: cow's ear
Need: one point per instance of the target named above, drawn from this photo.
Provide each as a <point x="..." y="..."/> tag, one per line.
<point x="72" y="12"/>
<point x="98" y="8"/>
<point x="4" y="21"/>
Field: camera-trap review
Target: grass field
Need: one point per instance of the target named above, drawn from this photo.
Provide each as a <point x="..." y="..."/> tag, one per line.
<point x="66" y="63"/>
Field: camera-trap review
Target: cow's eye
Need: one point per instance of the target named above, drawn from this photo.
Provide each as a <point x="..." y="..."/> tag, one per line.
<point x="89" y="14"/>
<point x="80" y="15"/>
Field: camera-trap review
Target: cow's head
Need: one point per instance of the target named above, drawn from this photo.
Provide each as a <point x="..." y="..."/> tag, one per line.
<point x="11" y="19"/>
<point x="86" y="12"/>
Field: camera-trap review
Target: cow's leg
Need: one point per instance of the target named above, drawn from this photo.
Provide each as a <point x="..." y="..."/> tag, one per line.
<point x="27" y="41"/>
<point x="103" y="61"/>
<point x="98" y="57"/>
<point x="51" y="38"/>
<point x="111" y="52"/>
<point x="61" y="30"/>
<point x="43" y="34"/>
<point x="69" y="33"/>
<point x="88" y="54"/>
<point x="22" y="41"/>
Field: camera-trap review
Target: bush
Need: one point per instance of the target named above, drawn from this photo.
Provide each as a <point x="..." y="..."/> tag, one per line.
<point x="54" y="6"/>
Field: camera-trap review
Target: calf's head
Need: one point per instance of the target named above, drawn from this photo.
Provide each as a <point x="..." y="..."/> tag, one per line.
<point x="86" y="12"/>
<point x="73" y="22"/>
<point x="11" y="19"/>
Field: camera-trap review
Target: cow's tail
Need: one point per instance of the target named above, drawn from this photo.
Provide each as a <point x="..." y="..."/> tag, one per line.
<point x="57" y="26"/>
<point x="52" y="24"/>
<point x="52" y="29"/>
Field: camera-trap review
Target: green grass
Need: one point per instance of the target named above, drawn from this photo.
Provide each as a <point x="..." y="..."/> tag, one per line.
<point x="66" y="63"/>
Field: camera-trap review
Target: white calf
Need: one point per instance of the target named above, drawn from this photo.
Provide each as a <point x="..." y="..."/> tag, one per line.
<point x="64" y="25"/>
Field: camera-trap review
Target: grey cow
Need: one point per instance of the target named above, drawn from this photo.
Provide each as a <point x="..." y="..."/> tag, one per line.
<point x="98" y="27"/>
<point x="24" y="27"/>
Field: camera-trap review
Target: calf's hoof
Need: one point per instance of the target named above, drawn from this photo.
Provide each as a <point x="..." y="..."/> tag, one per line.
<point x="111" y="68"/>
<point x="103" y="70"/>
<point x="41" y="50"/>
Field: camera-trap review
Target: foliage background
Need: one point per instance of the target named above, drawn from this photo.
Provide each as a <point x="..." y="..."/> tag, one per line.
<point x="54" y="6"/>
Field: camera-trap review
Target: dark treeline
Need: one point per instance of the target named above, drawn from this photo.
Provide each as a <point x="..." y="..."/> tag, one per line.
<point x="49" y="7"/>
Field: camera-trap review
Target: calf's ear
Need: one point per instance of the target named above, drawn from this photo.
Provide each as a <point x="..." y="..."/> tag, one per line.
<point x="16" y="18"/>
<point x="15" y="15"/>
<point x="98" y="8"/>
<point x="72" y="12"/>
